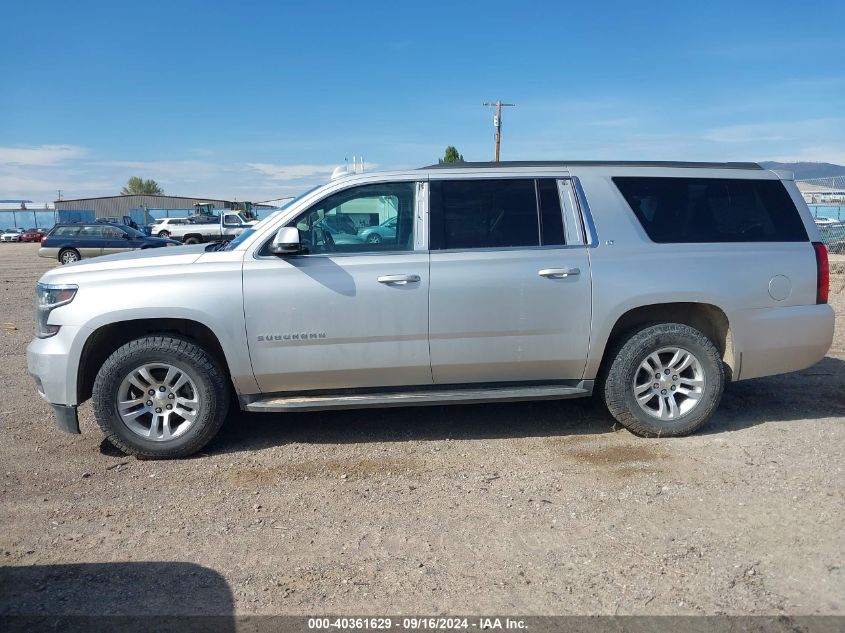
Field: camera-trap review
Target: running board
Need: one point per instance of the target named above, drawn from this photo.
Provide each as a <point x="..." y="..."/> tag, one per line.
<point x="325" y="402"/>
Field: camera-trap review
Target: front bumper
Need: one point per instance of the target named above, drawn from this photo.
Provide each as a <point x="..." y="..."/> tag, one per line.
<point x="54" y="362"/>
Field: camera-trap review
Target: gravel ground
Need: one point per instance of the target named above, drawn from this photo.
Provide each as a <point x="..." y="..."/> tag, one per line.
<point x="535" y="508"/>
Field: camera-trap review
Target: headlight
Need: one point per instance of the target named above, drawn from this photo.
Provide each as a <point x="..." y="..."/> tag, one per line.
<point x="47" y="298"/>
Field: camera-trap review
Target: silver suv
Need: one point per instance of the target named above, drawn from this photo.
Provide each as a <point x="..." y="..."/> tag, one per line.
<point x="652" y="284"/>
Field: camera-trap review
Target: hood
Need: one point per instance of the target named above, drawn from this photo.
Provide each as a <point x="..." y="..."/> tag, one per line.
<point x="160" y="240"/>
<point x="169" y="256"/>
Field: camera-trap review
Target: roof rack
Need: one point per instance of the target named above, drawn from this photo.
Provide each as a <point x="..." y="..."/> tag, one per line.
<point x="592" y="163"/>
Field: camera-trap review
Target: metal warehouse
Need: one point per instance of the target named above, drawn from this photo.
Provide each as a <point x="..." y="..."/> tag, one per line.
<point x="118" y="206"/>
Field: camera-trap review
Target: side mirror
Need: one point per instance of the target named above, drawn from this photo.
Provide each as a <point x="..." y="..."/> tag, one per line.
<point x="286" y="242"/>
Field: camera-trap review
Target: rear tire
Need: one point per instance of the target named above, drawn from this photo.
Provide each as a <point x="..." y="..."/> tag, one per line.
<point x="664" y="380"/>
<point x="192" y="240"/>
<point x="68" y="256"/>
<point x="146" y="375"/>
<point x="163" y="234"/>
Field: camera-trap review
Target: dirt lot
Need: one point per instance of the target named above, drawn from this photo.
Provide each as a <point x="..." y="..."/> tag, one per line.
<point x="541" y="508"/>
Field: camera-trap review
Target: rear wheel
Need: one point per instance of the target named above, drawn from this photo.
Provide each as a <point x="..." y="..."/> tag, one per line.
<point x="192" y="239"/>
<point x="164" y="234"/>
<point x="374" y="238"/>
<point x="160" y="397"/>
<point x="664" y="380"/>
<point x="69" y="255"/>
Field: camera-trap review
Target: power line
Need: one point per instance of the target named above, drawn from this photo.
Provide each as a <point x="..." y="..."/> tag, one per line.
<point x="497" y="122"/>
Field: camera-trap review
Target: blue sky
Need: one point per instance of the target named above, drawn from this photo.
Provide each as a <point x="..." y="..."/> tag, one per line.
<point x="258" y="100"/>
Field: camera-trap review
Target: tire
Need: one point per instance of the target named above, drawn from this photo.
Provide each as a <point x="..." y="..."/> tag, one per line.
<point x="193" y="239"/>
<point x="656" y="346"/>
<point x="164" y="234"/>
<point x="203" y="398"/>
<point x="68" y="256"/>
<point x="374" y="238"/>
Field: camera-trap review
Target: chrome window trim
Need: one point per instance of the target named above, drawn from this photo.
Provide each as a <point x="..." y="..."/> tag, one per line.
<point x="588" y="226"/>
<point x="494" y="249"/>
<point x="572" y="225"/>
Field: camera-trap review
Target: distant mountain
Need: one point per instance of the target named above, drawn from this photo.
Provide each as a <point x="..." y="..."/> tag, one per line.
<point x="804" y="171"/>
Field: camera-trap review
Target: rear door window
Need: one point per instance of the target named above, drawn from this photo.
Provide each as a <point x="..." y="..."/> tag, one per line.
<point x="496" y="213"/>
<point x="697" y="210"/>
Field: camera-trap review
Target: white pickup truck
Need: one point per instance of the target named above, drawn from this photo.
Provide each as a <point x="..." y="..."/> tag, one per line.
<point x="196" y="230"/>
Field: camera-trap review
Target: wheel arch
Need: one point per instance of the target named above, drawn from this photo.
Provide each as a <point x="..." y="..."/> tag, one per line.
<point x="709" y="319"/>
<point x="103" y="341"/>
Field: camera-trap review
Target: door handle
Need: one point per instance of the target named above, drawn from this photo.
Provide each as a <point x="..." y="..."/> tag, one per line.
<point x="559" y="273"/>
<point x="398" y="280"/>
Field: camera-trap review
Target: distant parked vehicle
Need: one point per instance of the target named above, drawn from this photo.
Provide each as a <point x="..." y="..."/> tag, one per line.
<point x="207" y="228"/>
<point x="826" y="221"/>
<point x="385" y="230"/>
<point x="162" y="228"/>
<point x="71" y="242"/>
<point x="33" y="235"/>
<point x="11" y="235"/>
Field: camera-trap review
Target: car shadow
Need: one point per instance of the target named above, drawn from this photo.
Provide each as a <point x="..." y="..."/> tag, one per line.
<point x="814" y="393"/>
<point x="125" y="596"/>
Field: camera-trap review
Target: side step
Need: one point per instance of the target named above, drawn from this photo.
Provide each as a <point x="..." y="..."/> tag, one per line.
<point x="325" y="402"/>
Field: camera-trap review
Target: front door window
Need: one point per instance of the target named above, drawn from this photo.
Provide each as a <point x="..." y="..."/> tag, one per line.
<point x="377" y="217"/>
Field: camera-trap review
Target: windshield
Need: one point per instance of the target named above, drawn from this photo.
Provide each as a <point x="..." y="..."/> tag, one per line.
<point x="133" y="232"/>
<point x="230" y="246"/>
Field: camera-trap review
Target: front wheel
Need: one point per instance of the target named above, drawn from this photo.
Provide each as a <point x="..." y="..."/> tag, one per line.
<point x="374" y="238"/>
<point x="160" y="397"/>
<point x="665" y="380"/>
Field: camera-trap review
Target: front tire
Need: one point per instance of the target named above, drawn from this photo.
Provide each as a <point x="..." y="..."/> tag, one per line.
<point x="160" y="397"/>
<point x="664" y="380"/>
<point x="374" y="238"/>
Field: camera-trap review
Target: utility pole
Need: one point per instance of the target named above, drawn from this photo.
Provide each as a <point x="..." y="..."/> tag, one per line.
<point x="497" y="122"/>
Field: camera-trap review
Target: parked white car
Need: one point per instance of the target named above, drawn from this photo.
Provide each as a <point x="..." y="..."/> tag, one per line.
<point x="825" y="221"/>
<point x="164" y="227"/>
<point x="11" y="235"/>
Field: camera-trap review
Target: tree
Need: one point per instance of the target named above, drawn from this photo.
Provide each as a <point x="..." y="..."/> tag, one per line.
<point x="140" y="186"/>
<point x="451" y="156"/>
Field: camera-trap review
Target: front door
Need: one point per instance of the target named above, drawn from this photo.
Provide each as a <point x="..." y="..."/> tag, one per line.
<point x="349" y="313"/>
<point x="510" y="300"/>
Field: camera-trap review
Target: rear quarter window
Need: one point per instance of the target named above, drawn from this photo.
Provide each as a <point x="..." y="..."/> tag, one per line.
<point x="699" y="210"/>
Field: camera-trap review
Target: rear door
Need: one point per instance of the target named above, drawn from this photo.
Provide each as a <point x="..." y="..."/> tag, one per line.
<point x="510" y="298"/>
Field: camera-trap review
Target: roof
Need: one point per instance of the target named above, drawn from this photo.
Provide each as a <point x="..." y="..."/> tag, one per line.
<point x="592" y="163"/>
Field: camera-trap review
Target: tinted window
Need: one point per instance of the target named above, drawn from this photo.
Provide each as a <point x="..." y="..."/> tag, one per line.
<point x="347" y="221"/>
<point x="683" y="210"/>
<point x="550" y="213"/>
<point x="483" y="214"/>
<point x="65" y="231"/>
<point x="495" y="213"/>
